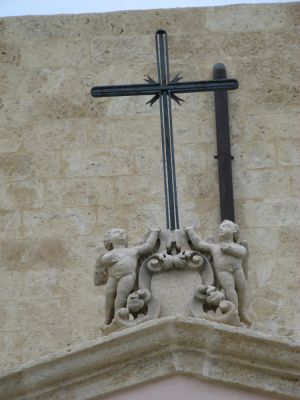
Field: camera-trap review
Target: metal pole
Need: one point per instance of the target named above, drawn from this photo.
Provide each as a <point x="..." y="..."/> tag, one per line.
<point x="224" y="156"/>
<point x="167" y="132"/>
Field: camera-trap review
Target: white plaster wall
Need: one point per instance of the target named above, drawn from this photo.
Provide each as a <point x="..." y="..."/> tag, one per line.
<point x="186" y="388"/>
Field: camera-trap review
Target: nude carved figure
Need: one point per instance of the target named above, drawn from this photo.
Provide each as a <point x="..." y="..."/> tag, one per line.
<point x="117" y="268"/>
<point x="229" y="259"/>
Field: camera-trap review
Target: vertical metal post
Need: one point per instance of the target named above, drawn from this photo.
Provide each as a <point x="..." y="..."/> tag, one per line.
<point x="167" y="132"/>
<point x="224" y="156"/>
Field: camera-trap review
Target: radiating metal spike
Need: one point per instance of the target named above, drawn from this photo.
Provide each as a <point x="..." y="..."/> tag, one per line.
<point x="177" y="78"/>
<point x="177" y="99"/>
<point x="153" y="100"/>
<point x="150" y="80"/>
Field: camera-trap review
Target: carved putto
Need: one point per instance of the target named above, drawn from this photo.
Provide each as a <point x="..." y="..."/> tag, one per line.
<point x="174" y="273"/>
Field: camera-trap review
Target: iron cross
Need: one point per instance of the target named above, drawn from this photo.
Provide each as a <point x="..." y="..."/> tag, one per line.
<point x="165" y="89"/>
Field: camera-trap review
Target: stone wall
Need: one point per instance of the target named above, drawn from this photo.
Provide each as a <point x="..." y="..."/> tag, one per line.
<point x="73" y="166"/>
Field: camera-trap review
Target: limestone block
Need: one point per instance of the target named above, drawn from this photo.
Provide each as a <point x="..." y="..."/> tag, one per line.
<point x="47" y="82"/>
<point x="28" y="193"/>
<point x="191" y="214"/>
<point x="10" y="139"/>
<point x="97" y="162"/>
<point x="276" y="213"/>
<point x="9" y="53"/>
<point x="133" y="106"/>
<point x="59" y="222"/>
<point x="247" y="19"/>
<point x="55" y="53"/>
<point x="16" y="110"/>
<point x="114" y="131"/>
<point x="257" y="155"/>
<point x="15" y="166"/>
<point x="78" y="192"/>
<point x="154" y="213"/>
<point x="125" y="130"/>
<point x="264" y="274"/>
<point x="96" y="76"/>
<point x="197" y="128"/>
<point x="46" y="164"/>
<point x="263" y="66"/>
<point x="190" y="159"/>
<point x="139" y="189"/>
<point x="276" y="97"/>
<point x="260" y="183"/>
<point x="294" y="181"/>
<point x="24" y="165"/>
<point x="131" y="217"/>
<point x="85" y="248"/>
<point x="148" y="160"/>
<point x="288" y="241"/>
<point x="10" y="74"/>
<point x="30" y="27"/>
<point x="63" y="106"/>
<point x="289" y="152"/>
<point x="270" y="125"/>
<point x="99" y="133"/>
<point x="10" y="224"/>
<point x="105" y="50"/>
<point x="202" y="186"/>
<point x="195" y="102"/>
<point x="43" y="254"/>
<point x="279" y="40"/>
<point x="260" y="247"/>
<point x="293" y="13"/>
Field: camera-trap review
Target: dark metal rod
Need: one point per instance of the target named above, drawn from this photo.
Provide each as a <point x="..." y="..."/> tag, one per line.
<point x="167" y="133"/>
<point x="152" y="88"/>
<point x="176" y="214"/>
<point x="223" y="147"/>
<point x="161" y="79"/>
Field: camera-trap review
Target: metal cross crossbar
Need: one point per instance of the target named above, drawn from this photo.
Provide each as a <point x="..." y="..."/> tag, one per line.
<point x="165" y="89"/>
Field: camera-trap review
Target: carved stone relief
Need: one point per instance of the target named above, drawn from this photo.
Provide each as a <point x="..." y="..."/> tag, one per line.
<point x="174" y="273"/>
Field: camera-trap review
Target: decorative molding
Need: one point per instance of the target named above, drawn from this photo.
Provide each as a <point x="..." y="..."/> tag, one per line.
<point x="156" y="349"/>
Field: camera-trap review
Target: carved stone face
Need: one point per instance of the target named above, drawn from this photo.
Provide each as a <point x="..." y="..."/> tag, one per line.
<point x="115" y="237"/>
<point x="118" y="237"/>
<point x="227" y="229"/>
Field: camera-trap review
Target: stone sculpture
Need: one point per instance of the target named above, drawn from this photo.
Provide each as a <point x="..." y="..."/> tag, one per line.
<point x="117" y="268"/>
<point x="174" y="273"/>
<point x="230" y="262"/>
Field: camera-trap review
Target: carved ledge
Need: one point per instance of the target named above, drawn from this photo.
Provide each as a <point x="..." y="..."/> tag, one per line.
<point x="156" y="349"/>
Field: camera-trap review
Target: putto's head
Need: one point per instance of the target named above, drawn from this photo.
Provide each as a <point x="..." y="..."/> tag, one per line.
<point x="115" y="237"/>
<point x="229" y="230"/>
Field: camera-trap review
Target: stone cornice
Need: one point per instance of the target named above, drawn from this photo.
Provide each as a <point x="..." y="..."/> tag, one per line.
<point x="157" y="349"/>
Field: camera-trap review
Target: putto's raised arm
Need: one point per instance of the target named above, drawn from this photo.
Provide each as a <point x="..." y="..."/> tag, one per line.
<point x="196" y="240"/>
<point x="149" y="246"/>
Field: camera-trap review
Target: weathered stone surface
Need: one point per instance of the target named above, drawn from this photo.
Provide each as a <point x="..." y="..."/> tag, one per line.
<point x="72" y="167"/>
<point x="10" y="224"/>
<point x="175" y="297"/>
<point x="61" y="222"/>
<point x="97" y="162"/>
<point x="168" y="346"/>
<point x="22" y="194"/>
<point x="79" y="192"/>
